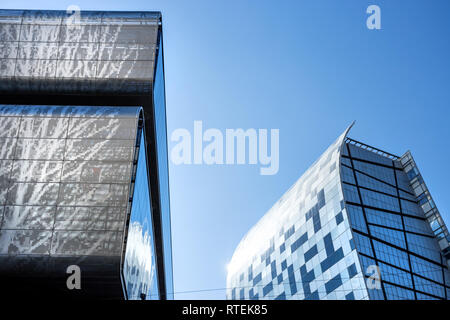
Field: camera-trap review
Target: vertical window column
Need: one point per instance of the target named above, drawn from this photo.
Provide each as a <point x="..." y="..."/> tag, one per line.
<point x="364" y="214"/>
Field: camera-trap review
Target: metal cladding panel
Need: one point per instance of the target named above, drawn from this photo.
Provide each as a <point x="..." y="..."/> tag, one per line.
<point x="64" y="189"/>
<point x="302" y="248"/>
<point x="77" y="52"/>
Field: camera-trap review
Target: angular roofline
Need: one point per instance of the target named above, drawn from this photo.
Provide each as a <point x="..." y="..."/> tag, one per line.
<point x="372" y="149"/>
<point x="341" y="140"/>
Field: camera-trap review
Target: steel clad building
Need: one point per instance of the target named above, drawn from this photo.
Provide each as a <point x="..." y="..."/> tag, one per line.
<point x="83" y="155"/>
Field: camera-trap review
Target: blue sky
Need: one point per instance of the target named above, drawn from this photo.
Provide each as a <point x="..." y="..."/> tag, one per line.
<point x="308" y="68"/>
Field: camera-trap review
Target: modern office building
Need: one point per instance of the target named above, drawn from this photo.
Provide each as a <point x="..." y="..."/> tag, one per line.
<point x="83" y="155"/>
<point x="359" y="224"/>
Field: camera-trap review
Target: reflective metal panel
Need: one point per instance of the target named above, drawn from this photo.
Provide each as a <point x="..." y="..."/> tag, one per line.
<point x="29" y="217"/>
<point x="36" y="171"/>
<point x="59" y="52"/>
<point x="64" y="191"/>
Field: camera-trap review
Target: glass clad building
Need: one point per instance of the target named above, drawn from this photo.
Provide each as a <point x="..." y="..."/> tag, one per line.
<point x="83" y="160"/>
<point x="358" y="214"/>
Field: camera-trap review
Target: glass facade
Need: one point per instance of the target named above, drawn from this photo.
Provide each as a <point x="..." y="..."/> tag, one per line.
<point x="159" y="102"/>
<point x="139" y="269"/>
<point x="352" y="212"/>
<point x="303" y="248"/>
<point x="390" y="224"/>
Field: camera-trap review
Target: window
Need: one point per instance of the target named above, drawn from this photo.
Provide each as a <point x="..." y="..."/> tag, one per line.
<point x="339" y="218"/>
<point x="352" y="271"/>
<point x="334" y="283"/>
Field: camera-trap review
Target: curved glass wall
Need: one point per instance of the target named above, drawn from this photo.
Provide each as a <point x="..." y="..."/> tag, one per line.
<point x="139" y="269"/>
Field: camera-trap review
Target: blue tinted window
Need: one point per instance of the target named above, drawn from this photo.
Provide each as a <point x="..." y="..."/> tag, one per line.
<point x="395" y="275"/>
<point x="267" y="289"/>
<point x="339" y="218"/>
<point x="392" y="236"/>
<point x="417" y="225"/>
<point x="356" y="217"/>
<point x="350" y="193"/>
<point x="378" y="200"/>
<point x="312" y="296"/>
<point x="282" y="296"/>
<point x="360" y="153"/>
<point x="299" y="242"/>
<point x="352" y="270"/>
<point x="347" y="175"/>
<point x="159" y="101"/>
<point x="273" y="269"/>
<point x="426" y="269"/>
<point x="289" y="232"/>
<point x="334" y="283"/>
<point x="350" y="296"/>
<point x="391" y="255"/>
<point x="363" y="244"/>
<point x="352" y="244"/>
<point x="332" y="260"/>
<point x="411" y="208"/>
<point x="329" y="247"/>
<point x="368" y="182"/>
<point x="310" y="253"/>
<point x="382" y="173"/>
<point x="257" y="279"/>
<point x="424" y="246"/>
<point x="384" y="218"/>
<point x="365" y="264"/>
<point x="396" y="293"/>
<point x="425" y="297"/>
<point x="280" y="278"/>
<point x="292" y="283"/>
<point x="140" y="261"/>
<point x="321" y="199"/>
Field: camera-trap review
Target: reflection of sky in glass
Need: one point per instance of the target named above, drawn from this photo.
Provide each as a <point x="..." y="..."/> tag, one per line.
<point x="163" y="171"/>
<point x="140" y="266"/>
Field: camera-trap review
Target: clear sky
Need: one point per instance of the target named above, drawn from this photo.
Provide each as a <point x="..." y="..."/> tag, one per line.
<point x="305" y="67"/>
